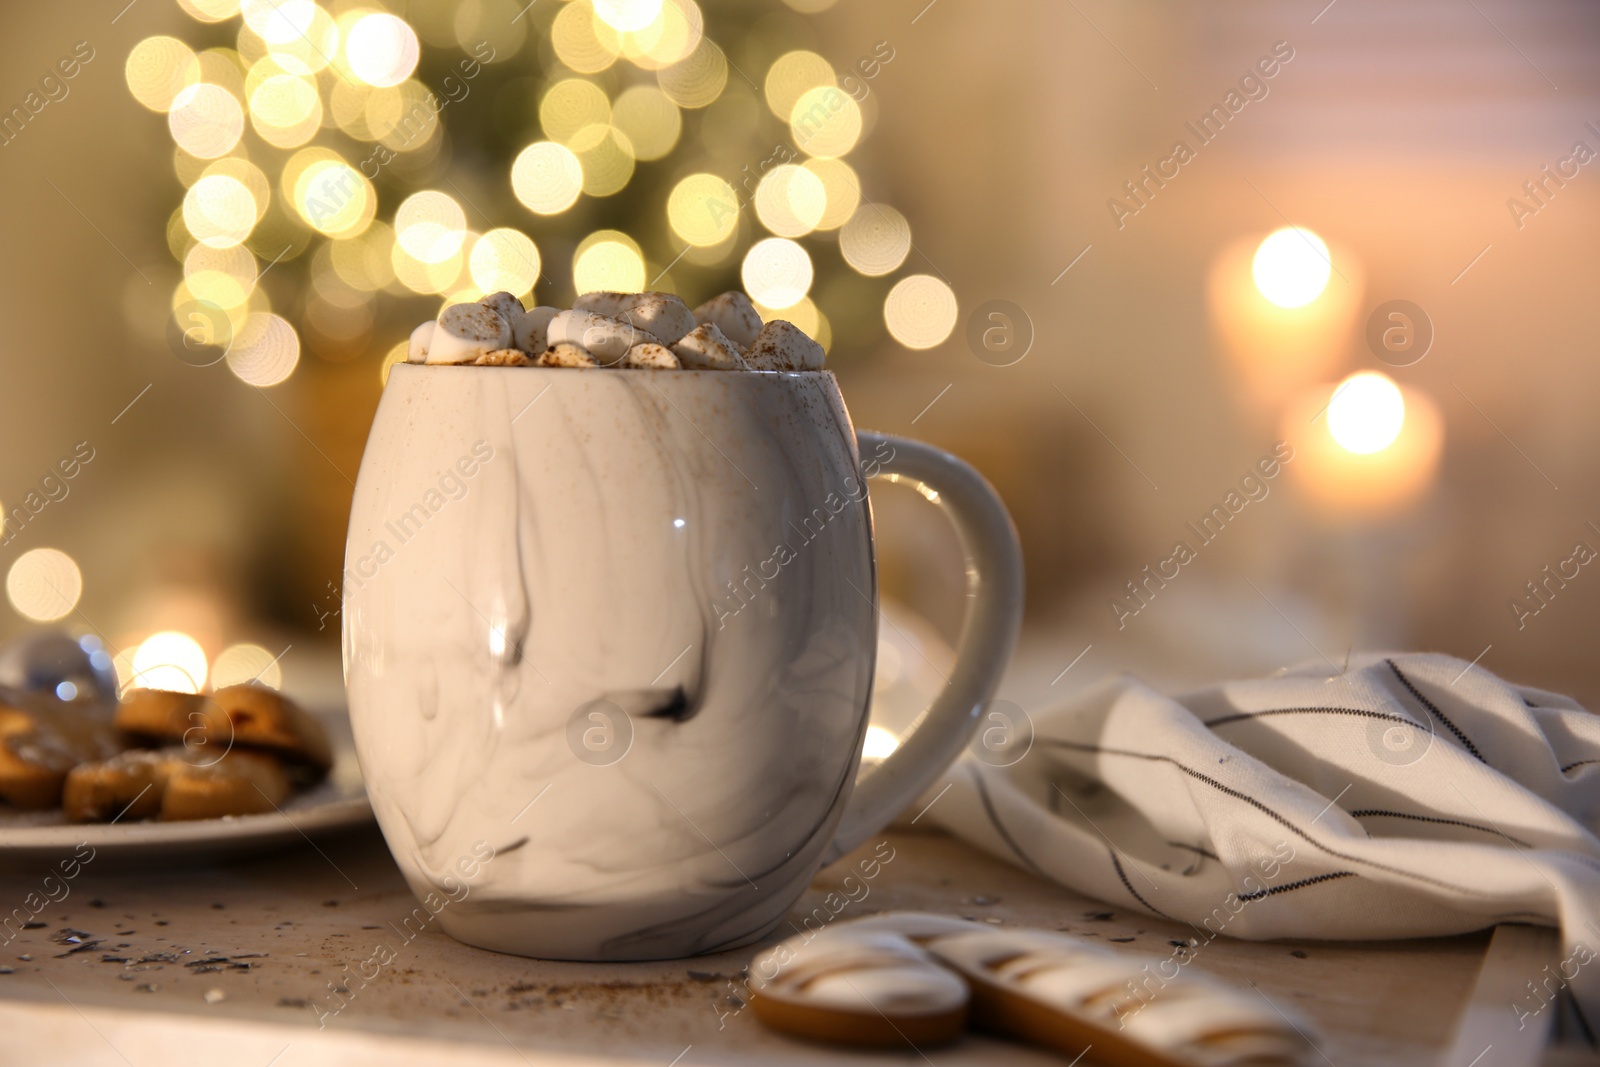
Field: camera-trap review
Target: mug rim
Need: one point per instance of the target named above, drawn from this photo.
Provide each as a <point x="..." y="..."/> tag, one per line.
<point x="610" y="369"/>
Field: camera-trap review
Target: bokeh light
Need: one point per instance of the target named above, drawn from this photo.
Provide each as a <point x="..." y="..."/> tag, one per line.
<point x="649" y="119"/>
<point x="265" y="350"/>
<point x="219" y="211"/>
<point x="169" y="660"/>
<point x="879" y="743"/>
<point x="776" y="272"/>
<point x="606" y="157"/>
<point x="330" y="194"/>
<point x="1366" y="413"/>
<point x="703" y="210"/>
<point x="876" y="240"/>
<point x="44" y="584"/>
<point x="570" y="105"/>
<point x="158" y="69"/>
<point x="790" y="200"/>
<point x="575" y="40"/>
<point x="285" y="110"/>
<point x="608" y="261"/>
<point x="698" y="78"/>
<point x="242" y="664"/>
<point x="920" y="311"/>
<point x="206" y="120"/>
<point x="430" y="226"/>
<point x="1292" y="267"/>
<point x="210" y="10"/>
<point x="546" y="177"/>
<point x="504" y="260"/>
<point x="629" y="15"/>
<point x="791" y="76"/>
<point x="382" y="49"/>
<point x="842" y="189"/>
<point x="221" y="276"/>
<point x="825" y="122"/>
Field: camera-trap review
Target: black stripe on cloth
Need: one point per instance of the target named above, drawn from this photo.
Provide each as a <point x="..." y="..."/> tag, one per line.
<point x="994" y="820"/>
<point x="1363" y="712"/>
<point x="1207" y="853"/>
<point x="1580" y="763"/>
<point x="1116" y="863"/>
<point x="1363" y="813"/>
<point x="1434" y="708"/>
<point x="1275" y="816"/>
<point x="1292" y="886"/>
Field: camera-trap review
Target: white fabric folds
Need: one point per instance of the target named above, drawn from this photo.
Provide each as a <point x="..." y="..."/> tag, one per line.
<point x="1408" y="795"/>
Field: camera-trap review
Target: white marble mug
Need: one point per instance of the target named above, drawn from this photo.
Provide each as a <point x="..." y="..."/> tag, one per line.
<point x="615" y="630"/>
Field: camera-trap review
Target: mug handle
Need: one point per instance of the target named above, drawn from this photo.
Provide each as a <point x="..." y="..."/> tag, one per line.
<point x="988" y="633"/>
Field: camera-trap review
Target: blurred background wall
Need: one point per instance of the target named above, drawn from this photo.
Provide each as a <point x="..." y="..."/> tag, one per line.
<point x="1004" y="134"/>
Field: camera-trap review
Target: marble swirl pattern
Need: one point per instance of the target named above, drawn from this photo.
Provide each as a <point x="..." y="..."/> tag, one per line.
<point x="623" y="542"/>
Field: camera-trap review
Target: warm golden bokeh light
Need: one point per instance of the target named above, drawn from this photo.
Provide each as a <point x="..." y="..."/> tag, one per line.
<point x="382" y="49"/>
<point x="575" y="40"/>
<point x="205" y="120"/>
<point x="703" y="210"/>
<point x="243" y="664"/>
<point x="362" y="262"/>
<point x="1292" y="267"/>
<point x="790" y="200"/>
<point x="570" y="105"/>
<point x="221" y="276"/>
<point x="825" y="122"/>
<point x="628" y="15"/>
<point x="210" y="10"/>
<point x="158" y="69"/>
<point x="264" y="351"/>
<point x="330" y="194"/>
<point x="876" y="240"/>
<point x="219" y="211"/>
<point x="649" y="119"/>
<point x="1366" y="412"/>
<point x="840" y="186"/>
<point x="504" y="260"/>
<point x="608" y="260"/>
<point x="920" y="311"/>
<point x="430" y="225"/>
<point x="698" y="78"/>
<point x="285" y="111"/>
<point x="791" y="76"/>
<point x="547" y="178"/>
<point x="44" y="585"/>
<point x="606" y="157"/>
<point x="169" y="660"/>
<point x="776" y="272"/>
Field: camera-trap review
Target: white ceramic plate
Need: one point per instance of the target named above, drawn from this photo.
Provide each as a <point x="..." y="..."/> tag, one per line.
<point x="30" y="840"/>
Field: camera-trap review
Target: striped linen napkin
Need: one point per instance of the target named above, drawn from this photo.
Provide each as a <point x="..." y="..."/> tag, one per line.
<point x="1409" y="795"/>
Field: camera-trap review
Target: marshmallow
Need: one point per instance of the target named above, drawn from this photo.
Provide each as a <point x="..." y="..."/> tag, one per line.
<point x="783" y="346"/>
<point x="417" y="350"/>
<point x="503" y="357"/>
<point x="705" y="348"/>
<point x="733" y="314"/>
<point x="606" y="339"/>
<point x="465" y="332"/>
<point x="609" y="304"/>
<point x="529" y="330"/>
<point x="651" y="356"/>
<point x="505" y="305"/>
<point x="662" y="316"/>
<point x="564" y="355"/>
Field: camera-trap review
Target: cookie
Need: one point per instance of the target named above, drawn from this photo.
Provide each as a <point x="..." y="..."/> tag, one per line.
<point x="867" y="985"/>
<point x="157" y="716"/>
<point x="876" y="982"/>
<point x="259" y="717"/>
<point x="176" y="784"/>
<point x="39" y="747"/>
<point x="249" y="715"/>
